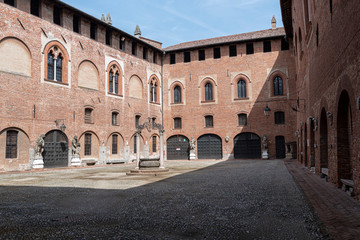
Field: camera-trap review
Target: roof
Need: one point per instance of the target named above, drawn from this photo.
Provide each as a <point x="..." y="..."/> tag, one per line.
<point x="250" y="36"/>
<point x="287" y="16"/>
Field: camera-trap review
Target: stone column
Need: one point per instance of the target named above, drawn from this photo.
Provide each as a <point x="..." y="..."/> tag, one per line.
<point x="138" y="149"/>
<point x="161" y="149"/>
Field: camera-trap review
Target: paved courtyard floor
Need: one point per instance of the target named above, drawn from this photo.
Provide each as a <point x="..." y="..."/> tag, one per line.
<point x="248" y="199"/>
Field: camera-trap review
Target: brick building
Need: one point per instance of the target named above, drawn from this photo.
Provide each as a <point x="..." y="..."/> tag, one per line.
<point x="326" y="41"/>
<point x="62" y="67"/>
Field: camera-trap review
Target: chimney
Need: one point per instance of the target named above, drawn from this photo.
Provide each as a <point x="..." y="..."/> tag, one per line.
<point x="273" y="22"/>
<point x="108" y="19"/>
<point x="137" y="32"/>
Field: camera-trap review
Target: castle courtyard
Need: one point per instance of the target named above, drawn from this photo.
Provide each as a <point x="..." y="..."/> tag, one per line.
<point x="248" y="199"/>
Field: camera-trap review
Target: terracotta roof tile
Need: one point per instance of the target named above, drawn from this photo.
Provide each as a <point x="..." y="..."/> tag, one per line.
<point x="278" y="32"/>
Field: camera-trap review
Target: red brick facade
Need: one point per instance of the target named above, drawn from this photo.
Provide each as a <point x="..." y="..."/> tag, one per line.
<point x="326" y="41"/>
<point x="86" y="102"/>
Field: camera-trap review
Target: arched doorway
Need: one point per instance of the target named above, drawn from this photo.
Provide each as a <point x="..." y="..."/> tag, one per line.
<point x="209" y="146"/>
<point x="343" y="137"/>
<point x="312" y="143"/>
<point x="56" y="150"/>
<point x="323" y="140"/>
<point x="280" y="146"/>
<point x="178" y="147"/>
<point x="247" y="145"/>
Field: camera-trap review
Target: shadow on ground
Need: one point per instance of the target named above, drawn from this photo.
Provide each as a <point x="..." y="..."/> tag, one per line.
<point x="228" y="200"/>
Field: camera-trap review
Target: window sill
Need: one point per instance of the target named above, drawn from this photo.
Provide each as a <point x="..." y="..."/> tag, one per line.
<point x="208" y="101"/>
<point x="115" y="125"/>
<point x="209" y="126"/>
<point x="155" y="103"/>
<point x="240" y="99"/>
<point x="177" y="103"/>
<point x="115" y="94"/>
<point x="281" y="124"/>
<point x="53" y="81"/>
<point x="88" y="122"/>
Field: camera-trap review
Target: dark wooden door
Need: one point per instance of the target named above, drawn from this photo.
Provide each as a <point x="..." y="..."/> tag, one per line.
<point x="247" y="145"/>
<point x="280" y="146"/>
<point x="209" y="146"/>
<point x="56" y="153"/>
<point x="178" y="148"/>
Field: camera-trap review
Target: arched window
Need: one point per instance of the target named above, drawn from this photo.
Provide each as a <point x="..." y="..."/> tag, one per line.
<point x="208" y="92"/>
<point x="241" y="89"/>
<point x="177" y="94"/>
<point x="11" y="144"/>
<point x="87" y="145"/>
<point x="56" y="63"/>
<point x="278" y="86"/>
<point x="153" y="90"/>
<point x="114" y="73"/>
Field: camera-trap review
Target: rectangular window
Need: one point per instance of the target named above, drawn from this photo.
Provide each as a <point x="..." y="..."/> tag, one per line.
<point x="155" y="57"/>
<point x="232" y="51"/>
<point x="11" y="144"/>
<point x="172" y="58"/>
<point x="57" y="17"/>
<point x="284" y="44"/>
<point x="122" y="43"/>
<point x="114" y="147"/>
<point x="242" y="119"/>
<point x="10" y="2"/>
<point x="87" y="148"/>
<point x="108" y="36"/>
<point x="209" y="121"/>
<point x="76" y="23"/>
<point x="137" y="120"/>
<point x="154" y="144"/>
<point x="93" y="30"/>
<point x="145" y="53"/>
<point x="134" y="48"/>
<point x="217" y="53"/>
<point x="177" y="123"/>
<point x="35" y="7"/>
<point x="88" y="112"/>
<point x="267" y="46"/>
<point x="187" y="57"/>
<point x="249" y="48"/>
<point x="201" y="55"/>
<point x="279" y="118"/>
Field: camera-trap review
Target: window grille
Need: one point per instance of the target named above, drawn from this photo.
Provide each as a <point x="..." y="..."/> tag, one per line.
<point x="209" y="121"/>
<point x="279" y="117"/>
<point x="154" y="144"/>
<point x="208" y="92"/>
<point x="278" y="86"/>
<point x="241" y="89"/>
<point x="242" y="119"/>
<point x="177" y="123"/>
<point x="87" y="148"/>
<point x="11" y="144"/>
<point x="114" y="147"/>
<point x="177" y="94"/>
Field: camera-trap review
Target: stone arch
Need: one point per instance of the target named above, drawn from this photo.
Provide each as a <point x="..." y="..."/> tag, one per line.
<point x="56" y="149"/>
<point x="15" y="56"/>
<point x="177" y="147"/>
<point x="271" y="79"/>
<point x="177" y="84"/>
<point x="203" y="85"/>
<point x="95" y="144"/>
<point x="247" y="145"/>
<point x="88" y="75"/>
<point x="22" y="150"/>
<point x="209" y="146"/>
<point x="154" y="88"/>
<point x="136" y="88"/>
<point x="57" y="49"/>
<point x="115" y="68"/>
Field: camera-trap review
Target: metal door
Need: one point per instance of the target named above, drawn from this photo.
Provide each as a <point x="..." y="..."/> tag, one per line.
<point x="280" y="146"/>
<point x="209" y="146"/>
<point x="247" y="145"/>
<point x="178" y="148"/>
<point x="55" y="150"/>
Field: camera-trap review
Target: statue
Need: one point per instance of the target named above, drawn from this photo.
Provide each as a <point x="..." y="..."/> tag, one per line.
<point x="39" y="146"/>
<point x="192" y="144"/>
<point x="265" y="142"/>
<point x="75" y="146"/>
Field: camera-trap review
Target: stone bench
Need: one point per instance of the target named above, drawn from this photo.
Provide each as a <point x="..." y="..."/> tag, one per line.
<point x="88" y="161"/>
<point x="149" y="163"/>
<point x="348" y="186"/>
<point x="115" y="161"/>
<point x="324" y="173"/>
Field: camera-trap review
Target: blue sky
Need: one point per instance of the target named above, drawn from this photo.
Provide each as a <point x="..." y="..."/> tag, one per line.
<point x="175" y="21"/>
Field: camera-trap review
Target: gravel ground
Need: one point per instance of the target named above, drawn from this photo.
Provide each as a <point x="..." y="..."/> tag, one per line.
<point x="197" y="200"/>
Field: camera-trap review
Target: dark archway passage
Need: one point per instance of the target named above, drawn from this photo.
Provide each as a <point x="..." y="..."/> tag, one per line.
<point x="343" y="137"/>
<point x="56" y="150"/>
<point x="178" y="147"/>
<point x="247" y="145"/>
<point x="209" y="146"/>
<point x="323" y="140"/>
<point x="280" y="146"/>
<point x="312" y="143"/>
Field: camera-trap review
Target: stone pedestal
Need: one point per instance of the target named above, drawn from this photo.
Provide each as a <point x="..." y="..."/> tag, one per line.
<point x="38" y="162"/>
<point x="192" y="155"/>
<point x="75" y="161"/>
<point x="265" y="154"/>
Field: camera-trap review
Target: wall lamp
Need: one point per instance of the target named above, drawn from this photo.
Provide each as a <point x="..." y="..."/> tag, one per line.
<point x="62" y="125"/>
<point x="267" y="111"/>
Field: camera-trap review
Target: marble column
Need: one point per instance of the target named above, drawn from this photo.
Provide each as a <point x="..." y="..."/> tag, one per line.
<point x="161" y="149"/>
<point x="138" y="149"/>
